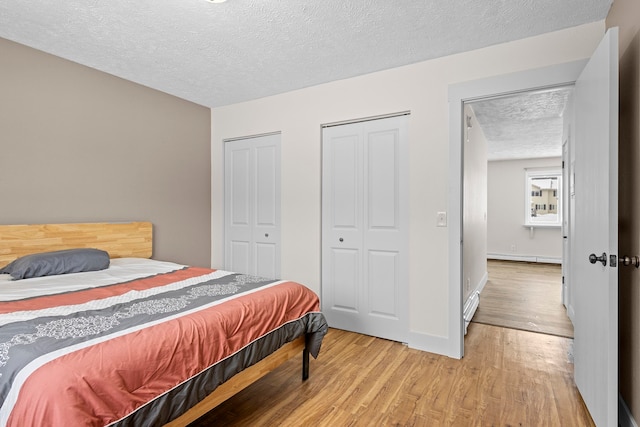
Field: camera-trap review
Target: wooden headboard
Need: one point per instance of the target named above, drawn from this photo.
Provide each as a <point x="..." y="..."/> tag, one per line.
<point x="120" y="239"/>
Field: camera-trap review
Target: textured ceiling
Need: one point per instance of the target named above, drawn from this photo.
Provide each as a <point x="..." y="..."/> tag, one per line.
<point x="527" y="125"/>
<point x="219" y="54"/>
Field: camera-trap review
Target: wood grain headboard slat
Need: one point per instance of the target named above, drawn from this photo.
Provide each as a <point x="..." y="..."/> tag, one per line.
<point x="120" y="239"/>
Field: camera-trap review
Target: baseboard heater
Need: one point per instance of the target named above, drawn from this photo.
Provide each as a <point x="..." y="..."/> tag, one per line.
<point x="525" y="258"/>
<point x="470" y="308"/>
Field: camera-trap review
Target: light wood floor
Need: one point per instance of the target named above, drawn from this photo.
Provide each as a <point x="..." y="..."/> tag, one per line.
<point x="508" y="378"/>
<point x="524" y="296"/>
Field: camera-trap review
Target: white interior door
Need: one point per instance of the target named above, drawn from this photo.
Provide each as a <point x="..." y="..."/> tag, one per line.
<point x="365" y="227"/>
<point x="252" y="206"/>
<point x="596" y="232"/>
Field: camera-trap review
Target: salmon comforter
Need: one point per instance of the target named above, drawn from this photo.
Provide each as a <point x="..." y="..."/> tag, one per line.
<point x="143" y="351"/>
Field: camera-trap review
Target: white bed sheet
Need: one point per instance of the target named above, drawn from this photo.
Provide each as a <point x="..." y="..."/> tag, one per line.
<point x="120" y="270"/>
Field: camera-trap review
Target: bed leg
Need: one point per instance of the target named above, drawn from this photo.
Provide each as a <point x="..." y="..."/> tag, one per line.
<point x="305" y="364"/>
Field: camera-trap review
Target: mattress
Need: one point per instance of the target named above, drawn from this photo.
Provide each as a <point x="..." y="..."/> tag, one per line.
<point x="140" y="342"/>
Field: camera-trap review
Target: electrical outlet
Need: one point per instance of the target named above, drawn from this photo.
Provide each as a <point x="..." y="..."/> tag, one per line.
<point x="513" y="248"/>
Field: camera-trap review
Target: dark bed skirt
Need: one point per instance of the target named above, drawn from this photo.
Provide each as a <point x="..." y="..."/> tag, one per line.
<point x="181" y="398"/>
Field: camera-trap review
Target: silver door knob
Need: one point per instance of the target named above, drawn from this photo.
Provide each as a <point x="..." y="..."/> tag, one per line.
<point x="603" y="258"/>
<point x="627" y="260"/>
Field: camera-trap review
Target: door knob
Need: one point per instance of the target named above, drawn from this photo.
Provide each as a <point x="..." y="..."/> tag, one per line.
<point x="603" y="258"/>
<point x="634" y="260"/>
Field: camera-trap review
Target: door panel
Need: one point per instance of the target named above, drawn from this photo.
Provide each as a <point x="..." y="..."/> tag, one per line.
<point x="266" y="222"/>
<point x="596" y="232"/>
<point x="240" y="191"/>
<point x="344" y="265"/>
<point x="383" y="179"/>
<point x="345" y="182"/>
<point x="266" y="186"/>
<point x="383" y="283"/>
<point x="342" y="236"/>
<point x="238" y="256"/>
<point x="238" y="242"/>
<point x="265" y="260"/>
<point x="365" y="227"/>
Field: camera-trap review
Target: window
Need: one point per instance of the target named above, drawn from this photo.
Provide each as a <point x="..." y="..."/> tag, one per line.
<point x="543" y="201"/>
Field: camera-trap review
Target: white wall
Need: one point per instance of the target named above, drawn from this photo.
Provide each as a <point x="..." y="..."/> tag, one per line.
<point x="474" y="216"/>
<point x="421" y="88"/>
<point x="506" y="233"/>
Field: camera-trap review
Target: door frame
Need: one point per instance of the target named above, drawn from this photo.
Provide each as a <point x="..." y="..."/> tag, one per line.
<point x="540" y="78"/>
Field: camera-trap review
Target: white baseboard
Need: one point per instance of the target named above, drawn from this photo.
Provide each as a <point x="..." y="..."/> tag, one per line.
<point x="625" y="418"/>
<point x="525" y="258"/>
<point x="548" y="260"/>
<point x="439" y="344"/>
<point x="483" y="282"/>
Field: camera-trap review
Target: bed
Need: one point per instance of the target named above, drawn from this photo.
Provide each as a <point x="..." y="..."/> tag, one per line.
<point x="139" y="342"/>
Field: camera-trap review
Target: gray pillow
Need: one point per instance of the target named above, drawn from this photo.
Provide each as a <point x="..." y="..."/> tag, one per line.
<point x="57" y="262"/>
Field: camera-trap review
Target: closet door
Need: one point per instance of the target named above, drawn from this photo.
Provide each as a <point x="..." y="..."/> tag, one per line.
<point x="252" y="206"/>
<point x="365" y="227"/>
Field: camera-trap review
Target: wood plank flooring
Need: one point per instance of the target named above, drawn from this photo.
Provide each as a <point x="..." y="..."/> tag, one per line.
<point x="508" y="378"/>
<point x="525" y="296"/>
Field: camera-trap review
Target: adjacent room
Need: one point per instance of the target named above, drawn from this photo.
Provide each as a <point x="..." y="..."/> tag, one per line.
<point x="522" y="138"/>
<point x="344" y="171"/>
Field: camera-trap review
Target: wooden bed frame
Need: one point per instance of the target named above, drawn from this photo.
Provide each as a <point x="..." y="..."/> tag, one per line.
<point x="133" y="239"/>
<point x="244" y="379"/>
<point x="120" y="239"/>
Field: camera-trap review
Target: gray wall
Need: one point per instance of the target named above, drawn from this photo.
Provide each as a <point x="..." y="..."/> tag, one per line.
<point x="79" y="145"/>
<point x="624" y="14"/>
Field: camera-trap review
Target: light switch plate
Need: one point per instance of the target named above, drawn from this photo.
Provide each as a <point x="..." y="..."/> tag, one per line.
<point x="441" y="219"/>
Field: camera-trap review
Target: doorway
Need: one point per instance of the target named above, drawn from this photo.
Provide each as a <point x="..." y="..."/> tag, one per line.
<point x="594" y="258"/>
<point x="544" y="78"/>
<point x="514" y="207"/>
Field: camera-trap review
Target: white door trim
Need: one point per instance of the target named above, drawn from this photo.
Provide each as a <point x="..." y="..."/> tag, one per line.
<point x="365" y="119"/>
<point x="258" y="135"/>
<point x="540" y="78"/>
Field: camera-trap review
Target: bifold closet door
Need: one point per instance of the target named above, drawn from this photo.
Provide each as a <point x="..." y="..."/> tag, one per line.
<point x="252" y="206"/>
<point x="365" y="227"/>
